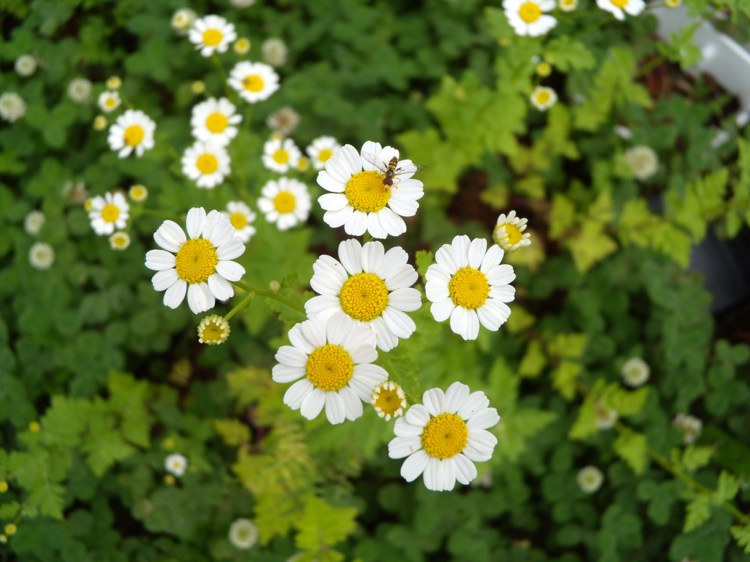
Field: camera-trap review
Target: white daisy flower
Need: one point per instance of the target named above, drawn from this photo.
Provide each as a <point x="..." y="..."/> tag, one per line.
<point x="138" y="193"/>
<point x="509" y="232"/>
<point x="119" y="241"/>
<point x="543" y="98"/>
<point x="25" y="65"/>
<point x="213" y="330"/>
<point x="108" y="101"/>
<point x="280" y="155"/>
<point x="100" y="123"/>
<point x="34" y="222"/>
<point x="183" y="19"/>
<point x="132" y="132"/>
<point x="253" y="81"/>
<point x="371" y="286"/>
<point x="176" y="464"/>
<point x="215" y="120"/>
<point x="690" y="426"/>
<point x="528" y="17"/>
<point x="643" y="161"/>
<point x="468" y="284"/>
<point x="389" y="400"/>
<point x="242" y="219"/>
<point x="444" y="436"/>
<point x="275" y="51"/>
<point x="41" y="256"/>
<point x="243" y="533"/>
<point x="113" y="83"/>
<point x="109" y="212"/>
<point x="211" y="34"/>
<point x="635" y="372"/>
<point x="332" y="365"/>
<point x="201" y="265"/>
<point x="567" y="5"/>
<point x="619" y="8"/>
<point x="206" y="163"/>
<point x="589" y="479"/>
<point x="285" y="202"/>
<point x="360" y="199"/>
<point x="79" y="90"/>
<point x="12" y="107"/>
<point x="242" y="46"/>
<point x="672" y="3"/>
<point x="320" y="151"/>
<point x="283" y="121"/>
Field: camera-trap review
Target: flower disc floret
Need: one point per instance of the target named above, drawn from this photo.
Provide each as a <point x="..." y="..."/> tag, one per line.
<point x="196" y="261"/>
<point x="213" y="330"/>
<point x="445" y="436"/>
<point x="329" y="367"/>
<point x="389" y="400"/>
<point x="543" y="98"/>
<point x="364" y="297"/>
<point x="469" y="288"/>
<point x="509" y="232"/>
<point x="366" y="192"/>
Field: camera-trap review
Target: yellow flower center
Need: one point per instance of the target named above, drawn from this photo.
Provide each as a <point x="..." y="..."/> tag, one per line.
<point x="325" y="154"/>
<point x="212" y="332"/>
<point x="366" y="191"/>
<point x="445" y="436"/>
<point x="469" y="288"/>
<point x="543" y="69"/>
<point x="119" y="241"/>
<point x="542" y="97"/>
<point x="508" y="233"/>
<point x="388" y="401"/>
<point x="620" y="3"/>
<point x="212" y="37"/>
<point x="238" y="220"/>
<point x="253" y="83"/>
<point x="138" y="193"/>
<point x="196" y="261"/>
<point x="207" y="163"/>
<point x="110" y="213"/>
<point x="281" y="156"/>
<point x="530" y="12"/>
<point x="330" y="367"/>
<point x="216" y="122"/>
<point x="364" y="296"/>
<point x="284" y="202"/>
<point x="134" y="135"/>
<point x="110" y="102"/>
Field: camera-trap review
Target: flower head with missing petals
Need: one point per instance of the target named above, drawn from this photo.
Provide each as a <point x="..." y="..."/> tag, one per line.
<point x="332" y="366"/>
<point x="199" y="266"/>
<point x="371" y="286"/>
<point x="468" y="284"/>
<point x="509" y="232"/>
<point x="444" y="436"/>
<point x="213" y="330"/>
<point x="389" y="400"/>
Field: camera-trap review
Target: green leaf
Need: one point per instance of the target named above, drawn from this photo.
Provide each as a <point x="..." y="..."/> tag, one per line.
<point x="562" y="216"/>
<point x="568" y="54"/>
<point x="625" y="402"/>
<point x="695" y="457"/>
<point x="741" y="534"/>
<point x="423" y="259"/>
<point x="564" y="378"/>
<point x="533" y="361"/>
<point x="697" y="512"/>
<point x="233" y="432"/>
<point x="633" y="449"/>
<point x="726" y="488"/>
<point x="590" y="245"/>
<point x="323" y="525"/>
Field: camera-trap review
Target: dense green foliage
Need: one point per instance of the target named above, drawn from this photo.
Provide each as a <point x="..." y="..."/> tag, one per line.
<point x="99" y="381"/>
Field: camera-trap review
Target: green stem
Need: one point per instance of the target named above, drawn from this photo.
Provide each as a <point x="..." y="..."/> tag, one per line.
<point x="223" y="73"/>
<point x="244" y="303"/>
<point x="270" y="295"/>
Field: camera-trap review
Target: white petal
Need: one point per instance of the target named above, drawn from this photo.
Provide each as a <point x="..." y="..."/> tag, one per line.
<point x="291" y="356"/>
<point x="436" y="291"/>
<point x="460" y="245"/>
<point x="163" y="280"/>
<point x="442" y="310"/>
<point x="159" y="260"/>
<point x="338" y="328"/>
<point x="375" y="226"/>
<point x="400" y="447"/>
<point x="407" y="299"/>
<point x="492" y="258"/>
<point x="399" y="323"/>
<point x="493" y="314"/>
<point x="477" y="249"/>
<point x="329" y="182"/>
<point x="480" y="445"/>
<point x="322" y="306"/>
<point x="356" y="225"/>
<point x="352" y="403"/>
<point x="503" y="293"/>
<point x="414" y="465"/>
<point x="200" y="298"/>
<point x="446" y="258"/>
<point x="465" y="469"/>
<point x="455" y="397"/>
<point x="314" y="331"/>
<point x="483" y="419"/>
<point x="393" y="224"/>
<point x="174" y="296"/>
<point x="313" y="404"/>
<point x="335" y="219"/>
<point x="434" y="401"/>
<point x="372" y="256"/>
<point x="220" y="287"/>
<point x="170" y="236"/>
<point x="285" y="373"/>
<point x="231" y="249"/>
<point x="350" y="252"/>
<point x="500" y="275"/>
<point x="402" y="428"/>
<point x="431" y="475"/>
<point x="465" y="323"/>
<point x="297" y="393"/>
<point x="475" y="402"/>
<point x="417" y="415"/>
<point x="196" y="219"/>
<point x="403" y="277"/>
<point x="333" y="201"/>
<point x="335" y="410"/>
<point x="230" y="270"/>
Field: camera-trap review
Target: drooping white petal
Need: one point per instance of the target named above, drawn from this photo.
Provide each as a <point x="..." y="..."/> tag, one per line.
<point x="220" y="287"/>
<point x="196" y="219"/>
<point x="400" y="447"/>
<point x="414" y="465"/>
<point x="164" y="279"/>
<point x="200" y="298"/>
<point x="312" y="404"/>
<point x="159" y="260"/>
<point x="465" y="323"/>
<point x="465" y="469"/>
<point x="288" y="355"/>
<point x="170" y="236"/>
<point x="296" y="393"/>
<point x="335" y="409"/>
<point x="174" y="296"/>
<point x="483" y="419"/>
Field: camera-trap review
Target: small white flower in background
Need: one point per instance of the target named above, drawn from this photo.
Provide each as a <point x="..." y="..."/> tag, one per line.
<point x="198" y="87"/>
<point x="79" y="90"/>
<point x="132" y="132"/>
<point x="468" y="284"/>
<point x="690" y="426"/>
<point x="138" y="193"/>
<point x="567" y="5"/>
<point x="543" y="98"/>
<point x="275" y="51"/>
<point x="635" y="372"/>
<point x="100" y="123"/>
<point x="360" y="200"/>
<point x="12" y="106"/>
<point x="200" y="266"/>
<point x="606" y="417"/>
<point x="108" y="101"/>
<point x="34" y="222"/>
<point x="242" y="219"/>
<point x="590" y="479"/>
<point x="444" y="436"/>
<point x="215" y="120"/>
<point x="643" y="161"/>
<point x="283" y="121"/>
<point x="41" y="256"/>
<point x="509" y="232"/>
<point x="389" y="400"/>
<point x="25" y="65"/>
<point x="113" y="83"/>
<point x="242" y="46"/>
<point x="320" y="151"/>
<point x="331" y="363"/>
<point x="619" y="8"/>
<point x="176" y="464"/>
<point x="76" y="191"/>
<point x="213" y="330"/>
<point x="371" y="286"/>
<point x="285" y="202"/>
<point x="243" y="534"/>
<point x="242" y="3"/>
<point x="109" y="212"/>
<point x="183" y="19"/>
<point x="528" y="17"/>
<point x="623" y="132"/>
<point x="212" y="34"/>
<point x="253" y="81"/>
<point x="206" y="163"/>
<point x="119" y="241"/>
<point x="672" y="3"/>
<point x="280" y="155"/>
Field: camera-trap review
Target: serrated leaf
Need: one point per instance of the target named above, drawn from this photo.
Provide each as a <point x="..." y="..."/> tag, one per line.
<point x="697" y="512"/>
<point x="726" y="488"/>
<point x="233" y="432"/>
<point x="633" y="449"/>
<point x="741" y="534"/>
<point x="533" y="361"/>
<point x="564" y="378"/>
<point x="695" y="457"/>
<point x="323" y="525"/>
<point x="423" y="259"/>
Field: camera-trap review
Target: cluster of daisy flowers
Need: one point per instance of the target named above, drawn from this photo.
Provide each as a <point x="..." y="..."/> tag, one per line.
<point x="109" y="214"/>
